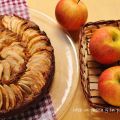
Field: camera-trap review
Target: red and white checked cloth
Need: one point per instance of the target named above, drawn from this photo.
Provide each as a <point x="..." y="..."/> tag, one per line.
<point x="40" y="111"/>
<point x="17" y="7"/>
<point x="44" y="109"/>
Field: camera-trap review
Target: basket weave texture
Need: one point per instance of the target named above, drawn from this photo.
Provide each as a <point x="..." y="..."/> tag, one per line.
<point x="90" y="70"/>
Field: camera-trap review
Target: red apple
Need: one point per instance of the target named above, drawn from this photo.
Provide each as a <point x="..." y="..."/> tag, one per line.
<point x="109" y="85"/>
<point x="71" y="14"/>
<point x="105" y="45"/>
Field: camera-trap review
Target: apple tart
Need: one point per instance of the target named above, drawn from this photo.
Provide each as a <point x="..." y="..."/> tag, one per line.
<point x="26" y="63"/>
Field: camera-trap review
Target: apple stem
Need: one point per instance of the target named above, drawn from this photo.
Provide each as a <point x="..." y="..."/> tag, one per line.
<point x="78" y="1"/>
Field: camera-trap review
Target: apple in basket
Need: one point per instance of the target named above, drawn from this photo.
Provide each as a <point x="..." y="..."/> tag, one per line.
<point x="109" y="85"/>
<point x="71" y="14"/>
<point x="105" y="45"/>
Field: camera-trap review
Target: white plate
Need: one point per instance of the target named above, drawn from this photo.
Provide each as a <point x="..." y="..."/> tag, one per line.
<point x="66" y="62"/>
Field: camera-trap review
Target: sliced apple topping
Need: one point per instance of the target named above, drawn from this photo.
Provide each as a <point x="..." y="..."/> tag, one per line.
<point x="6" y="71"/>
<point x="29" y="34"/>
<point x="28" y="79"/>
<point x="42" y="45"/>
<point x="37" y="76"/>
<point x="34" y="58"/>
<point x="22" y="91"/>
<point x="33" y="62"/>
<point x="32" y="84"/>
<point x="19" y="26"/>
<point x="35" y="55"/>
<point x="16" y="46"/>
<point x="25" y="87"/>
<point x="7" y="53"/>
<point x="6" y="38"/>
<point x="40" y="77"/>
<point x="43" y="66"/>
<point x="17" y="92"/>
<point x="40" y="54"/>
<point x="5" y="98"/>
<point x="27" y="25"/>
<point x="35" y="40"/>
<point x="1" y="71"/>
<point x="6" y="21"/>
<point x="27" y="82"/>
<point x="13" y="63"/>
<point x="26" y="54"/>
<point x="12" y="99"/>
<point x="29" y="75"/>
<point x="15" y="23"/>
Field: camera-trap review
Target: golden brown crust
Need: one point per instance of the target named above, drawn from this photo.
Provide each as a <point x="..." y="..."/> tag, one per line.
<point x="26" y="64"/>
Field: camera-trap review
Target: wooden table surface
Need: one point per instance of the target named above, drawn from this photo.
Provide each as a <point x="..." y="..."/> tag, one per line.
<point x="98" y="10"/>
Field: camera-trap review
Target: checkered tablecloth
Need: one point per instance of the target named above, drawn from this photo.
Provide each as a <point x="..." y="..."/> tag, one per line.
<point x="17" y="7"/>
<point x="44" y="109"/>
<point x="41" y="111"/>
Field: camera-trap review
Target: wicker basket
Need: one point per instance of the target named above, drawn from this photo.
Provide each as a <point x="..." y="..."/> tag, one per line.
<point x="90" y="70"/>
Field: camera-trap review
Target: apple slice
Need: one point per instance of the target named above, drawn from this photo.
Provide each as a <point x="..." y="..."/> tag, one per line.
<point x="39" y="55"/>
<point x="6" y="71"/>
<point x="38" y="77"/>
<point x="1" y="99"/>
<point x="36" y="87"/>
<point x="13" y="63"/>
<point x="12" y="99"/>
<point x="42" y="55"/>
<point x="27" y="25"/>
<point x="39" y="60"/>
<point x="37" y="39"/>
<point x="25" y="88"/>
<point x="6" y="53"/>
<point x="43" y="68"/>
<point x="22" y="91"/>
<point x="34" y="78"/>
<point x="6" y="21"/>
<point x="16" y="46"/>
<point x="17" y="92"/>
<point x="34" y="56"/>
<point x="29" y="34"/>
<point x="32" y="84"/>
<point x="14" y="23"/>
<point x="33" y="41"/>
<point x="5" y="98"/>
<point x="19" y="23"/>
<point x="33" y="62"/>
<point x="34" y="48"/>
<point x="27" y="82"/>
<point x="1" y="71"/>
<point x="42" y="45"/>
<point x="6" y="38"/>
<point x="31" y="79"/>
